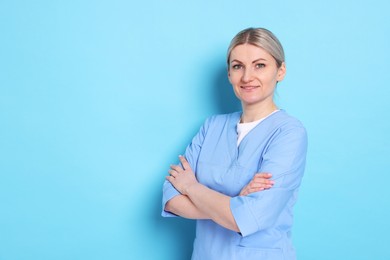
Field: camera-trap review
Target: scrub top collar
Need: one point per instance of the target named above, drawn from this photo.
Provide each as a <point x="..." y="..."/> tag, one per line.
<point x="232" y="132"/>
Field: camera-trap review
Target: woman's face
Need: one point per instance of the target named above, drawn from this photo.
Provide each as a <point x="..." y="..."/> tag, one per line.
<point x="253" y="73"/>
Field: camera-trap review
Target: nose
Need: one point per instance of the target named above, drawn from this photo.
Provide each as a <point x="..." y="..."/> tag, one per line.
<point x="247" y="76"/>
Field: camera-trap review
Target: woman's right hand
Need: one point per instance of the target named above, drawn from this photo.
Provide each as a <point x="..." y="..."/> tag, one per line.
<point x="261" y="181"/>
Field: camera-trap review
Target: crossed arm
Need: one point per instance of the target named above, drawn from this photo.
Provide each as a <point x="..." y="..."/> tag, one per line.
<point x="200" y="202"/>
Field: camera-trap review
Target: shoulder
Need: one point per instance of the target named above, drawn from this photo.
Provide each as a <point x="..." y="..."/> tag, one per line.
<point x="283" y="125"/>
<point x="283" y="120"/>
<point x="287" y="137"/>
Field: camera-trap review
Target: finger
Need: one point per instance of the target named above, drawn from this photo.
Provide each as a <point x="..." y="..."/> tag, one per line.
<point x="250" y="190"/>
<point x="184" y="162"/>
<point x="263" y="180"/>
<point x="244" y="192"/>
<point x="172" y="173"/>
<point x="256" y="189"/>
<point x="265" y="175"/>
<point x="261" y="183"/>
<point x="177" y="168"/>
<point x="169" y="178"/>
<point x="259" y="186"/>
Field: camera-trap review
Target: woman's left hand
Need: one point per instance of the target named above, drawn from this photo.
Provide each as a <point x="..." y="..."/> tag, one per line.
<point x="182" y="177"/>
<point x="261" y="181"/>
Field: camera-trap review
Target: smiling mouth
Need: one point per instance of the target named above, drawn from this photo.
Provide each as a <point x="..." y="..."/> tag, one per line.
<point x="249" y="87"/>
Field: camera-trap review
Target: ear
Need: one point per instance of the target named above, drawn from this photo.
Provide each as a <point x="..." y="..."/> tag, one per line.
<point x="281" y="72"/>
<point x="228" y="74"/>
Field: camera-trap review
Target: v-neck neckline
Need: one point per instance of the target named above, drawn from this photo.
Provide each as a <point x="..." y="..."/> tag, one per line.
<point x="232" y="133"/>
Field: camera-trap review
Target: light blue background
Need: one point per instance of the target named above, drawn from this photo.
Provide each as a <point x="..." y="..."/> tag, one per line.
<point x="97" y="98"/>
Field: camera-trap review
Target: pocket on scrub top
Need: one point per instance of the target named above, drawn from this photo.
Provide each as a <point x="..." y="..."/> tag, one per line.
<point x="259" y="253"/>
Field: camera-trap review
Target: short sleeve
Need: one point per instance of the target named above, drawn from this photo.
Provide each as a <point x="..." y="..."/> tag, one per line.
<point x="191" y="154"/>
<point x="284" y="158"/>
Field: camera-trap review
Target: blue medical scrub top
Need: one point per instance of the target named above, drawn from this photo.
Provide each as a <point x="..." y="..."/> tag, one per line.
<point x="277" y="145"/>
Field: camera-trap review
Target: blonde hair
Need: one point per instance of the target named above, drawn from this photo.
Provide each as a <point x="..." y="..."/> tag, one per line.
<point x="259" y="37"/>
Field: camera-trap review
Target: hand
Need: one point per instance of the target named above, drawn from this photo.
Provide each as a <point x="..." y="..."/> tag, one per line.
<point x="182" y="177"/>
<point x="260" y="181"/>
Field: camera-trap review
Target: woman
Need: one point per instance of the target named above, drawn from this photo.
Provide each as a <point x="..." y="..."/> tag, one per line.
<point x="239" y="215"/>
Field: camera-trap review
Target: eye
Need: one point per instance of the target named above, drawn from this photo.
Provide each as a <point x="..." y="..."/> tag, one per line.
<point x="236" y="66"/>
<point x="260" y="65"/>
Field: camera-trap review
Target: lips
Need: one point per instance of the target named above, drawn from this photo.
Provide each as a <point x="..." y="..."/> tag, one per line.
<point x="249" y="87"/>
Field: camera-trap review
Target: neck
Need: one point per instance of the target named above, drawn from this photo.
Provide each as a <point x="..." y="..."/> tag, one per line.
<point x="253" y="113"/>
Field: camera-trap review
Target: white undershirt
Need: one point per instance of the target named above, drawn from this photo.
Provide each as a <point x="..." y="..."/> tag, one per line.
<point x="244" y="128"/>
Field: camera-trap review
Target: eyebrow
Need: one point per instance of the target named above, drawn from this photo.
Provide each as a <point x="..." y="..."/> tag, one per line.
<point x="259" y="59"/>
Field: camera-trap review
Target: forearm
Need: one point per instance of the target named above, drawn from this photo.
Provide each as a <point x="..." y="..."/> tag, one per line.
<point x="182" y="206"/>
<point x="217" y="205"/>
<point x="214" y="205"/>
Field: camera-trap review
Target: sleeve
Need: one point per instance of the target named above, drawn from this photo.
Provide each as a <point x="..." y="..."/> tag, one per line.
<point x="284" y="158"/>
<point x="191" y="154"/>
